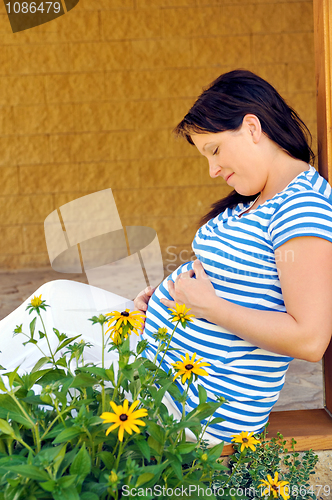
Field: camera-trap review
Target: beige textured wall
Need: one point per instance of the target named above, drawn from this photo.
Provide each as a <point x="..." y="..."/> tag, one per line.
<point x="88" y="101"/>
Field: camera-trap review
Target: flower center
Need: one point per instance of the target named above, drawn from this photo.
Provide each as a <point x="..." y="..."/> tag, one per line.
<point x="275" y="487"/>
<point x="245" y="440"/>
<point x="125" y="313"/>
<point x="189" y="367"/>
<point x="123" y="417"/>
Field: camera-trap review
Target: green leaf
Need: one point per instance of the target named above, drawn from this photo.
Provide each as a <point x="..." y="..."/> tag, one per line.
<point x="192" y="424"/>
<point x="110" y="374"/>
<point x="175" y="464"/>
<point x="66" y="481"/>
<point x="88" y="495"/>
<point x="156" y="470"/>
<point x="186" y="447"/>
<point x="41" y="362"/>
<point x="202" y="394"/>
<point x="108" y="458"/>
<point x="83" y="380"/>
<point x="3" y="388"/>
<point x="203" y="411"/>
<point x="33" y="326"/>
<point x="216" y="420"/>
<point x="144" y="448"/>
<point x="6" y="428"/>
<point x="48" y="485"/>
<point x="161" y="393"/>
<point x="58" y="459"/>
<point x="144" y="478"/>
<point x="41" y="335"/>
<point x="95" y="370"/>
<point x="81" y="465"/>
<point x="156" y="432"/>
<point x="9" y="410"/>
<point x="66" y="342"/>
<point x="61" y="336"/>
<point x="31" y="341"/>
<point x="66" y="494"/>
<point x="30" y="471"/>
<point x="157" y="447"/>
<point x="68" y="434"/>
<point x="12" y="376"/>
<point x="62" y="362"/>
<point x="216" y="451"/>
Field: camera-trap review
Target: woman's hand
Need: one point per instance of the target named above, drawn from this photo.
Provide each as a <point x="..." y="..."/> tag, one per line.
<point x="194" y="293"/>
<point x="142" y="299"/>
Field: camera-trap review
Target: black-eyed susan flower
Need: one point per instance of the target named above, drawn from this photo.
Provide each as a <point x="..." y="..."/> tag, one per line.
<point x="188" y="366"/>
<point x="128" y="321"/>
<point x="275" y="487"/>
<point x="35" y="304"/>
<point x="161" y="335"/>
<point x="246" y="439"/>
<point x="36" y="301"/>
<point x="117" y="337"/>
<point x="180" y="313"/>
<point x="113" y="477"/>
<point x="124" y="417"/>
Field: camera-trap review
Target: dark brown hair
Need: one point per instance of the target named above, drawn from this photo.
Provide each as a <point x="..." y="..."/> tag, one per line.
<point x="224" y="104"/>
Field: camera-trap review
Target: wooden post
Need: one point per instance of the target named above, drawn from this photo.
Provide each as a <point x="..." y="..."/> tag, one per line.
<point x="323" y="66"/>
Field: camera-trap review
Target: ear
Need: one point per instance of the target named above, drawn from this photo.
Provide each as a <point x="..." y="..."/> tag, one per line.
<point x="252" y="126"/>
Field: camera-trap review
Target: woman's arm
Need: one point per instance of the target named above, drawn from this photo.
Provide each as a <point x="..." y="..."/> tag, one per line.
<point x="304" y="331"/>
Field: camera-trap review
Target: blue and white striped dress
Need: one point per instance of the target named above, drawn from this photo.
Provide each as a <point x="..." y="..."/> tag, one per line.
<point x="239" y="254"/>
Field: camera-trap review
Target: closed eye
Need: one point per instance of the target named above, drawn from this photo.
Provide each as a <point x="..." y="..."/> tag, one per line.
<point x="216" y="151"/>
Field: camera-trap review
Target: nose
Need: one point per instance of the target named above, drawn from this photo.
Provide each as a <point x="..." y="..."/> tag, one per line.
<point x="214" y="169"/>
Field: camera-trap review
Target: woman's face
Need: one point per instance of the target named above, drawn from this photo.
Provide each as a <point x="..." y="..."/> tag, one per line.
<point x="234" y="156"/>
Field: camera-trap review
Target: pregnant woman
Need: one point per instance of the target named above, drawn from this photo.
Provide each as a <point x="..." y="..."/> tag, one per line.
<point x="261" y="286"/>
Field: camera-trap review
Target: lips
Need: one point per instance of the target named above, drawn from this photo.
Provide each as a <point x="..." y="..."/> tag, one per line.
<point x="230" y="175"/>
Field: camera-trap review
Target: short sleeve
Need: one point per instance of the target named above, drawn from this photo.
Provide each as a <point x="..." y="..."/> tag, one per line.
<point x="306" y="213"/>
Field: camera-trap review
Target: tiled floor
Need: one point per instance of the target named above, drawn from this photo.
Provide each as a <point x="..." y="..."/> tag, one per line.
<point x="303" y="388"/>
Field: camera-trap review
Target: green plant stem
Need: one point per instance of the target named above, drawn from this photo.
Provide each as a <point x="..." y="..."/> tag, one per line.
<point x="116" y="389"/>
<point x="165" y="351"/>
<point x="243" y="454"/>
<point x="158" y="351"/>
<point x="54" y="421"/>
<point x="119" y="456"/>
<point x="27" y="416"/>
<point x="56" y="406"/>
<point x="204" y="429"/>
<point x="44" y="355"/>
<point x="23" y="443"/>
<point x="103" y="366"/>
<point x="103" y="346"/>
<point x="48" y="342"/>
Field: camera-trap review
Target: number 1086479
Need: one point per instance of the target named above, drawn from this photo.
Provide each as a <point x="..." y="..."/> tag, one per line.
<point x="33" y="7"/>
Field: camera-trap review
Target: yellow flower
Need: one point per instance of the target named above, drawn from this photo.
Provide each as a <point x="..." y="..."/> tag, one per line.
<point x="36" y="301"/>
<point x="113" y="478"/>
<point x="247" y="440"/>
<point x="275" y="487"/>
<point x="133" y="321"/>
<point x="116" y="336"/>
<point x="180" y="313"/>
<point x="124" y="418"/>
<point x="188" y="366"/>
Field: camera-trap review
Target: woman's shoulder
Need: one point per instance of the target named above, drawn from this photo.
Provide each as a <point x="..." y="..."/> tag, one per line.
<point x="308" y="188"/>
